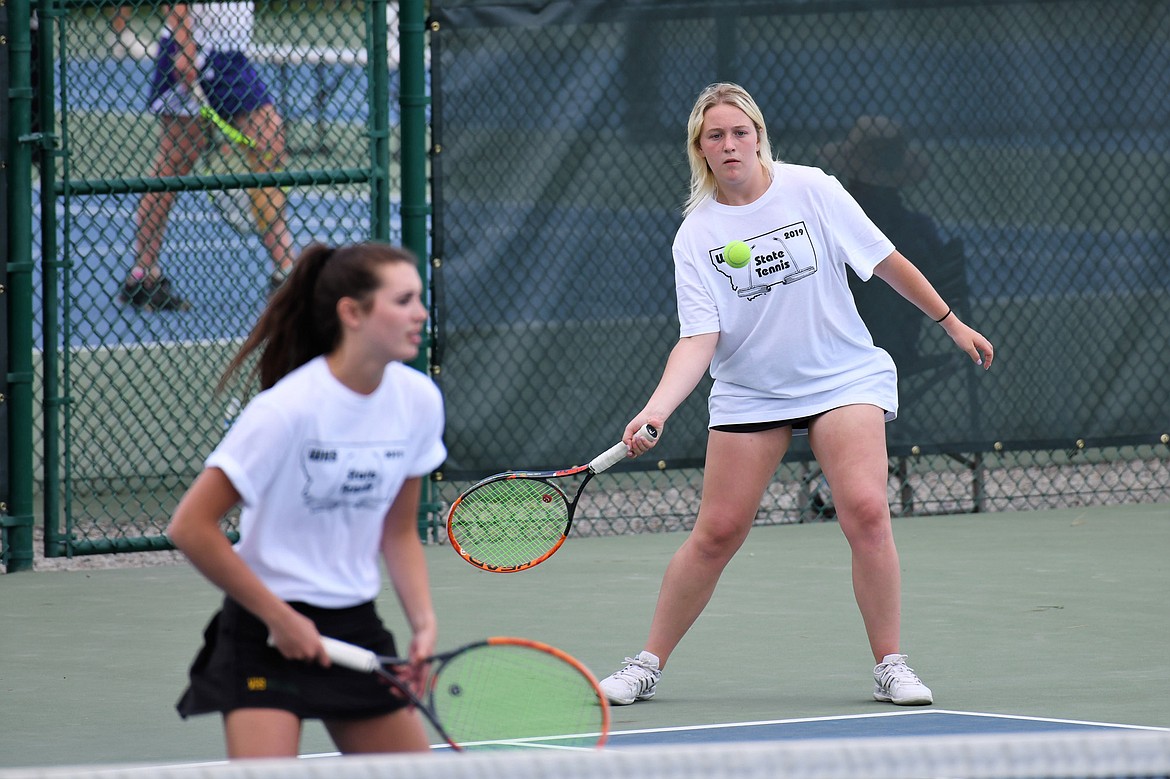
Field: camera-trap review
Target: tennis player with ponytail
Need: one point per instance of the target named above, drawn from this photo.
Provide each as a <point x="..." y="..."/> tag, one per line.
<point x="326" y="463"/>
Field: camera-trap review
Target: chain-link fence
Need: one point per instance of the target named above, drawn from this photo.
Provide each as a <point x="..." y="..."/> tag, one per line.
<point x="187" y="154"/>
<point x="1015" y="150"/>
<point x="1032" y="144"/>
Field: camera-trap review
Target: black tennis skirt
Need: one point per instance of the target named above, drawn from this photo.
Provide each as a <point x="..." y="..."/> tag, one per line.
<point x="237" y="669"/>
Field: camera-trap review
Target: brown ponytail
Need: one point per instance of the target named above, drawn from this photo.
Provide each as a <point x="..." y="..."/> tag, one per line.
<point x="300" y="321"/>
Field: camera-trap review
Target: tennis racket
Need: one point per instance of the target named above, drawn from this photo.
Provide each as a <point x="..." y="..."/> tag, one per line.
<point x="227" y="154"/>
<point x="210" y="114"/>
<point x="515" y="520"/>
<point x="499" y="692"/>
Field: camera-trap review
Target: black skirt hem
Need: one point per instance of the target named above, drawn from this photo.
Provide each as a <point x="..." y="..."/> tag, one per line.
<point x="237" y="669"/>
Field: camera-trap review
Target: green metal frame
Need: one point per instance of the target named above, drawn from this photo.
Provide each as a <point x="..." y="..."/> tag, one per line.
<point x="416" y="210"/>
<point x="17" y="517"/>
<point x="17" y="521"/>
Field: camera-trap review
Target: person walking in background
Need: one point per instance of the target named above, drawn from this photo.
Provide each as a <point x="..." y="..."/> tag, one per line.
<point x="326" y="462"/>
<point x="207" y="42"/>
<point x="764" y="304"/>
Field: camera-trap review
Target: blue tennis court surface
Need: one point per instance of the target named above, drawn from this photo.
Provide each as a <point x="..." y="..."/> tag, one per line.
<point x="919" y="722"/>
<point x="323" y="98"/>
<point x="910" y="724"/>
<point x="222" y="274"/>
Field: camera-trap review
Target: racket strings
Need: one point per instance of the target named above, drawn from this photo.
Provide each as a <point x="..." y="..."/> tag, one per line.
<point x="511" y="521"/>
<point x="501" y="694"/>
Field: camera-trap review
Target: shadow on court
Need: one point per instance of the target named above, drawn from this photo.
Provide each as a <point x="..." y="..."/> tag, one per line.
<point x="1018" y="621"/>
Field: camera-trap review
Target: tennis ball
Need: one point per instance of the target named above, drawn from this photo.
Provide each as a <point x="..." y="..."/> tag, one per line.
<point x="737" y="254"/>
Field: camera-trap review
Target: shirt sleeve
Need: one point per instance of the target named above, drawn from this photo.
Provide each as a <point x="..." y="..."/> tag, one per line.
<point x="432" y="451"/>
<point x="697" y="310"/>
<point x="859" y="240"/>
<point x="253" y="449"/>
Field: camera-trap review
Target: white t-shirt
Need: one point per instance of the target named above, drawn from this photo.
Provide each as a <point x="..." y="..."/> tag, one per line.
<point x="222" y="26"/>
<point x="317" y="466"/>
<point x="791" y="343"/>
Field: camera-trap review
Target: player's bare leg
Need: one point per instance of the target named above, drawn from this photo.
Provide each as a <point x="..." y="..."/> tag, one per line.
<point x="401" y="731"/>
<point x="181" y="141"/>
<point x="738" y="468"/>
<point x="850" y="446"/>
<point x="262" y="733"/>
<point x="270" y="203"/>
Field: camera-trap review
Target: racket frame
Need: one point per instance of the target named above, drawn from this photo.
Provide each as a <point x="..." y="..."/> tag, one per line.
<point x="542" y="476"/>
<point x="357" y="658"/>
<point x="235" y="206"/>
<point x="601" y="462"/>
<point x="234" y="134"/>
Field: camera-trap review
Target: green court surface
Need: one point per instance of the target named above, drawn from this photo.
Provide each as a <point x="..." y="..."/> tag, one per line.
<point x="1054" y="615"/>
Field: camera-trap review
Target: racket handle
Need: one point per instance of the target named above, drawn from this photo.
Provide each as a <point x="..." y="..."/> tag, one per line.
<point x="210" y="114"/>
<point x="616" y="453"/>
<point x="349" y="656"/>
<point x="346" y="655"/>
<point x="199" y="95"/>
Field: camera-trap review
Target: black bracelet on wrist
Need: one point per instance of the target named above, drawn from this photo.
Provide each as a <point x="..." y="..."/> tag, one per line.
<point x="944" y="316"/>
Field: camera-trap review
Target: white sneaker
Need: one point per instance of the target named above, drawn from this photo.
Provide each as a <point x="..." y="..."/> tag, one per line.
<point x="895" y="682"/>
<point x="635" y="682"/>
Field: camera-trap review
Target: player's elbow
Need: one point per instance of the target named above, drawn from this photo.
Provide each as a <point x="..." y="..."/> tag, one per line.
<point x="178" y="532"/>
<point x="185" y="530"/>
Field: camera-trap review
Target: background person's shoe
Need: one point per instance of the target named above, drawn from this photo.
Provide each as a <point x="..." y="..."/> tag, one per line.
<point x="147" y="294"/>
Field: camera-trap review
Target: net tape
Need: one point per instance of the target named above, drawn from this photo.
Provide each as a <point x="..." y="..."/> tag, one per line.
<point x="1066" y="755"/>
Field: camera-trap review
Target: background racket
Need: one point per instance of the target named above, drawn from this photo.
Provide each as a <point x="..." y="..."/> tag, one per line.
<point x="227" y="154"/>
<point x="499" y="692"/>
<point x="515" y="520"/>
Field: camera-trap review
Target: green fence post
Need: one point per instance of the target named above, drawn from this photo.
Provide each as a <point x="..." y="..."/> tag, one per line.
<point x="379" y="121"/>
<point x="413" y="102"/>
<point x="54" y="362"/>
<point x="18" y="524"/>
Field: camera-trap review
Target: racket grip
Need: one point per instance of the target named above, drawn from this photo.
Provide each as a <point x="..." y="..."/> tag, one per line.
<point x="346" y="655"/>
<point x="616" y="453"/>
<point x="201" y="97"/>
<point x="349" y="656"/>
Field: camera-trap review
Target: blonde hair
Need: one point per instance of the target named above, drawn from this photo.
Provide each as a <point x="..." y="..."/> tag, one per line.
<point x="702" y="179"/>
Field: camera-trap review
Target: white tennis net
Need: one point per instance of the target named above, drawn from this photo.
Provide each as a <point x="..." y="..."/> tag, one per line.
<point x="1121" y="754"/>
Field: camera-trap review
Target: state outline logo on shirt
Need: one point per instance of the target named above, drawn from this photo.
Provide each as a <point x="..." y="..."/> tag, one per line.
<point x="349" y="474"/>
<point x="781" y="256"/>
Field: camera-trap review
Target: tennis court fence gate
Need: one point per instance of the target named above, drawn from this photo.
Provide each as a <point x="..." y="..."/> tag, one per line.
<point x="532" y="156"/>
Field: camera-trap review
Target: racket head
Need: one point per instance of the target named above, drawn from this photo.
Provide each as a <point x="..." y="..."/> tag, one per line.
<point x="225" y="155"/>
<point x="512" y="521"/>
<point x="234" y="134"/>
<point x="505" y="692"/>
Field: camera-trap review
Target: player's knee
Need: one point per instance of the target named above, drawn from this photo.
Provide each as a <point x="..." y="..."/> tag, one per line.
<point x="720" y="537"/>
<point x="865" y="520"/>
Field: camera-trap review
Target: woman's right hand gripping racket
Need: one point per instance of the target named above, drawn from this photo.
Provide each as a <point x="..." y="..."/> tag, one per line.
<point x="515" y="520"/>
<point x="499" y="692"/>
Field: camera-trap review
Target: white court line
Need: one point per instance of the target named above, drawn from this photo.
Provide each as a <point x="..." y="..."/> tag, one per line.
<point x="842" y="717"/>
